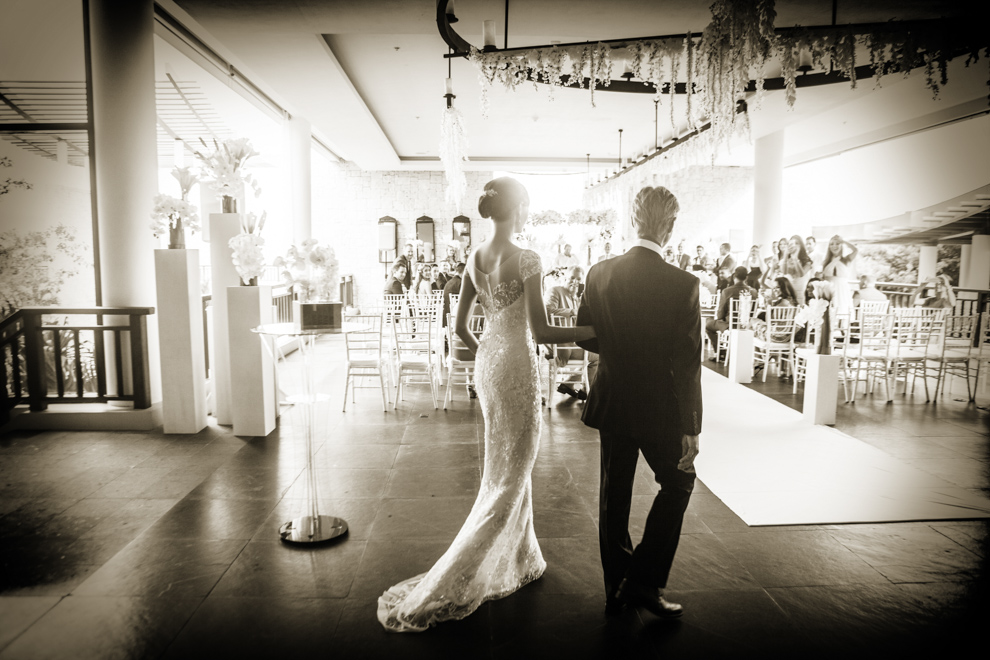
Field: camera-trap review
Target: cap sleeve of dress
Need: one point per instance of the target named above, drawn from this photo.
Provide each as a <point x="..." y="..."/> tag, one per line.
<point x="529" y="265"/>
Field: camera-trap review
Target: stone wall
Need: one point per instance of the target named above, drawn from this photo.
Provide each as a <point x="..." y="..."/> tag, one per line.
<point x="347" y="203"/>
<point x="716" y="204"/>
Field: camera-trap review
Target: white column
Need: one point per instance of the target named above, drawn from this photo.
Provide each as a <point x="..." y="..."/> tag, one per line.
<point x="768" y="186"/>
<point x="965" y="254"/>
<point x="126" y="157"/>
<point x="978" y="273"/>
<point x="927" y="262"/>
<point x="300" y="146"/>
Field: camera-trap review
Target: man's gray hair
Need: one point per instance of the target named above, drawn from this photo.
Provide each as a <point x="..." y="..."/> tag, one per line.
<point x="654" y="211"/>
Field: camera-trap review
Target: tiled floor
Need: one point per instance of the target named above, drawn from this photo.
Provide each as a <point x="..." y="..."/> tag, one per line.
<point x="147" y="545"/>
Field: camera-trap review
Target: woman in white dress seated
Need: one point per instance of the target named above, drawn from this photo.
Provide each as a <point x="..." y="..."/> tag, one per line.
<point x="495" y="553"/>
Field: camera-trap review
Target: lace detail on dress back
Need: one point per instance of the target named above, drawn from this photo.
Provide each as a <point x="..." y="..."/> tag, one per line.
<point x="495" y="552"/>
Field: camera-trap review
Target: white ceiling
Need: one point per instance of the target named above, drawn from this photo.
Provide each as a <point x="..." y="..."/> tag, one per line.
<point x="369" y="74"/>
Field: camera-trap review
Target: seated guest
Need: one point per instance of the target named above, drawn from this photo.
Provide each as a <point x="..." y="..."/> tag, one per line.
<point x="408" y="259"/>
<point x="437" y="278"/>
<point x="394" y="284"/>
<point x="867" y="291"/>
<point x="563" y="301"/>
<point x="453" y="285"/>
<point x="724" y="278"/>
<point x="721" y="320"/>
<point x="809" y="289"/>
<point x="422" y="285"/>
<point x="781" y="295"/>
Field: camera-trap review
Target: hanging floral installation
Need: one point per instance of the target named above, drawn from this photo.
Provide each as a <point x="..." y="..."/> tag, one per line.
<point x="734" y="56"/>
<point x="453" y="155"/>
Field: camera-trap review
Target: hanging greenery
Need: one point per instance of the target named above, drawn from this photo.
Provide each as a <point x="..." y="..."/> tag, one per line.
<point x="729" y="61"/>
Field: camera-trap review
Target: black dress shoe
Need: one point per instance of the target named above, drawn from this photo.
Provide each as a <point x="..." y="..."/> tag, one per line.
<point x="649" y="598"/>
<point x="564" y="388"/>
<point x="582" y="395"/>
<point x="614" y="606"/>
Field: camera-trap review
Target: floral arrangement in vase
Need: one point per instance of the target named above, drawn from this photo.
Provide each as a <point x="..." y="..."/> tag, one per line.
<point x="226" y="165"/>
<point x="246" y="249"/>
<point x="817" y="314"/>
<point x="312" y="271"/>
<point x="175" y="215"/>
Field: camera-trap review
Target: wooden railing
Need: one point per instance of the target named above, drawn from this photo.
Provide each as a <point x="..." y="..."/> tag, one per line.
<point x="64" y="362"/>
<point x="968" y="301"/>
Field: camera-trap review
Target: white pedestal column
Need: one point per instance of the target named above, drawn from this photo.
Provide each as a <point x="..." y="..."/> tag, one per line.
<point x="821" y="389"/>
<point x="978" y="274"/>
<point x="740" y="365"/>
<point x="223" y="227"/>
<point x="927" y="262"/>
<point x="768" y="186"/>
<point x="300" y="147"/>
<point x="252" y="371"/>
<point x="180" y="326"/>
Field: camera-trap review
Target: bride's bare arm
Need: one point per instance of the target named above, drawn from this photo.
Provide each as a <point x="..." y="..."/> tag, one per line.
<point x="465" y="307"/>
<point x="543" y="332"/>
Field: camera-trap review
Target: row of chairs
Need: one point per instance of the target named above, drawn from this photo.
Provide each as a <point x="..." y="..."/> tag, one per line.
<point x="876" y="344"/>
<point x="402" y="343"/>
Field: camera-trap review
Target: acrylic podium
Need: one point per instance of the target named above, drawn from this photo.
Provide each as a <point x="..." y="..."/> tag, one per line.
<point x="311" y="526"/>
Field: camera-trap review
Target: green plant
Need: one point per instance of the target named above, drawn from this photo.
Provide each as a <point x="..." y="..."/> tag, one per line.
<point x="35" y="266"/>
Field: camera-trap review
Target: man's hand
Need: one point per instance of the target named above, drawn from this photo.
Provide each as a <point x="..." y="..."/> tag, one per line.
<point x="689" y="449"/>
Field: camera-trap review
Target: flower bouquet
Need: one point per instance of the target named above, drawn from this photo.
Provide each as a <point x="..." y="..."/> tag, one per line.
<point x="817" y="314"/>
<point x="246" y="249"/>
<point x="174" y="215"/>
<point x="312" y="272"/>
<point x="226" y="166"/>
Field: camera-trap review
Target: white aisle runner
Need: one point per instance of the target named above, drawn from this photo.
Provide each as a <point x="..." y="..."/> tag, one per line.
<point x="771" y="467"/>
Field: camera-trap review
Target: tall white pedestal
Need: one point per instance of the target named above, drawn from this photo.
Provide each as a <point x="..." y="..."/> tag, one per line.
<point x="180" y="327"/>
<point x="252" y="371"/>
<point x="821" y="389"/>
<point x="740" y="365"/>
<point x="223" y="227"/>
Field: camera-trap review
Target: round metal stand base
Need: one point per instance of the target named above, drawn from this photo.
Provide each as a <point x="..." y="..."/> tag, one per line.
<point x="303" y="529"/>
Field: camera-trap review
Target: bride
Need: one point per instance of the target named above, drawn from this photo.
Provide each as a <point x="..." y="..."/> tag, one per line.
<point x="495" y="552"/>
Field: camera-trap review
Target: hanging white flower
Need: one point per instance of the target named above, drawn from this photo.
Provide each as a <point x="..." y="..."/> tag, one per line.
<point x="453" y="155"/>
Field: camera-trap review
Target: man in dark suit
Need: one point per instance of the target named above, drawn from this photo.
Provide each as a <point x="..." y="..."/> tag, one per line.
<point x="724" y="266"/>
<point x="721" y="320"/>
<point x="453" y="285"/>
<point x="647" y="397"/>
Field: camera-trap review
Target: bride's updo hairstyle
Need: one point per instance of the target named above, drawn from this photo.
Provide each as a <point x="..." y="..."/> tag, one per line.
<point x="654" y="211"/>
<point x="501" y="197"/>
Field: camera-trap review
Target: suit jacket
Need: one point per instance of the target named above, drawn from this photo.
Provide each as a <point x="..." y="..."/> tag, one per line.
<point x="648" y="324"/>
<point x="684" y="261"/>
<point x="453" y="285"/>
<point x="393" y="286"/>
<point x="729" y="293"/>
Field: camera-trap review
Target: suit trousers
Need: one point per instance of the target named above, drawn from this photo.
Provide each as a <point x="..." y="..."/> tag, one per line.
<point x="649" y="563"/>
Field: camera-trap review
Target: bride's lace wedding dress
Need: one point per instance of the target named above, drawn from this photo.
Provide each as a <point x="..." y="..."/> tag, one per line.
<point x="495" y="552"/>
